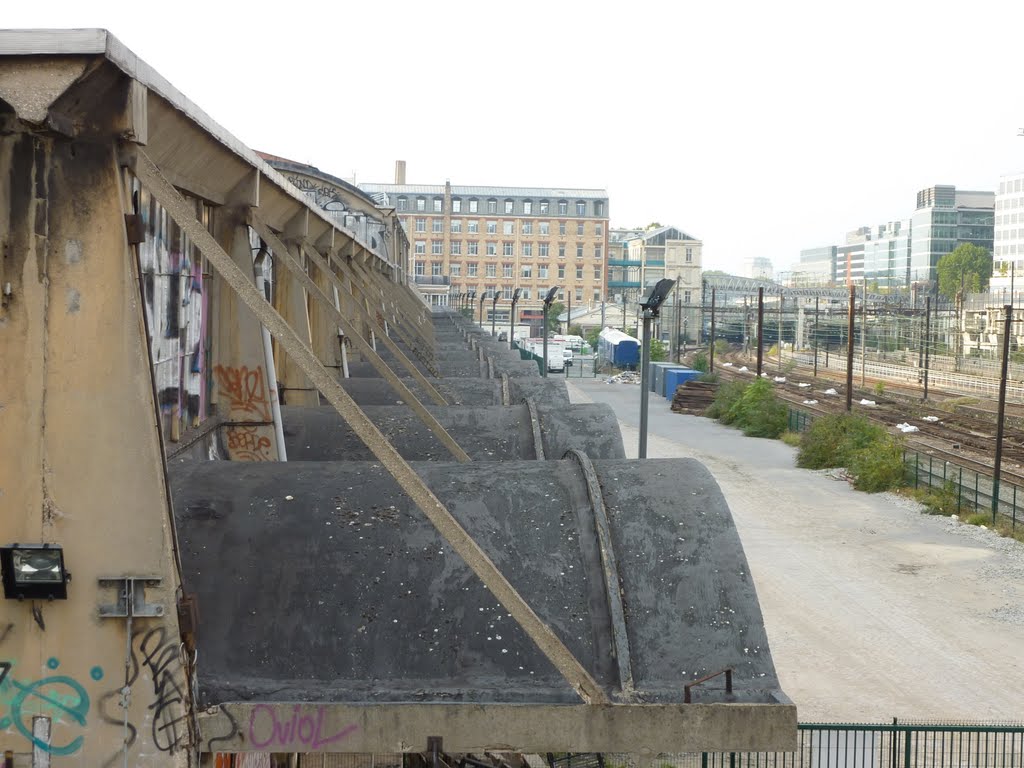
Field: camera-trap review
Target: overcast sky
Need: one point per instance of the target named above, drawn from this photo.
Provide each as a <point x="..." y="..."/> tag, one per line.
<point x="760" y="128"/>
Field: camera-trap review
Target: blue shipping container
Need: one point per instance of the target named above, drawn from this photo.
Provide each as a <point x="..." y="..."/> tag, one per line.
<point x="675" y="377"/>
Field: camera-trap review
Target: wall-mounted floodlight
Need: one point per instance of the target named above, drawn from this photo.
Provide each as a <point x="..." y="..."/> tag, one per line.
<point x="34" y="572"/>
<point x="655" y="297"/>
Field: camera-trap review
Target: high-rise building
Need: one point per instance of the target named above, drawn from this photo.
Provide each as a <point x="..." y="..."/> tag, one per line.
<point x="946" y="217"/>
<point x="1008" y="240"/>
<point x="758" y="268"/>
<point x="488" y="239"/>
<point x="887" y="256"/>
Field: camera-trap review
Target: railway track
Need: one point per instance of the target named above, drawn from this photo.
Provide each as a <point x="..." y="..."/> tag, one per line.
<point x="957" y="433"/>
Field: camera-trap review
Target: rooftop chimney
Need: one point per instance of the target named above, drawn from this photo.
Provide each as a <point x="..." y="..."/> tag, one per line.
<point x="399" y="171"/>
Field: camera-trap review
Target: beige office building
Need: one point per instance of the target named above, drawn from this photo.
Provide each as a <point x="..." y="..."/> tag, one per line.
<point x="497" y="239"/>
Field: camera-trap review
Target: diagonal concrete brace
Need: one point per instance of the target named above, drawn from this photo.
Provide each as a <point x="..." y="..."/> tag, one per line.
<point x="549" y="643"/>
<point x="281" y="253"/>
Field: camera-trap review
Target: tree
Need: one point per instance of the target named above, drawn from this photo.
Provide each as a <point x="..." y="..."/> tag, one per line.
<point x="554" y="311"/>
<point x="658" y="351"/>
<point x="966" y="270"/>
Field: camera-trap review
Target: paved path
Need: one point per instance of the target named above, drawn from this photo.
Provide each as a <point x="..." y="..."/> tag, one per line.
<point x="873" y="610"/>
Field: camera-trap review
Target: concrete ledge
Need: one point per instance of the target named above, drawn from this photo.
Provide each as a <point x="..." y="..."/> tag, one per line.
<point x="641" y="729"/>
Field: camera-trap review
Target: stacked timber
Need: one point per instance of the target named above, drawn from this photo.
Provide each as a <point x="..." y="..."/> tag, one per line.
<point x="693" y="396"/>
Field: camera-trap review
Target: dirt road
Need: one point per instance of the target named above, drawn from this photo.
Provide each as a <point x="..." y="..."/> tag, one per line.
<point x="873" y="609"/>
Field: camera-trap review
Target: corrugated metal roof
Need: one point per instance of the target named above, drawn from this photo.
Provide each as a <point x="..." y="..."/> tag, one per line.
<point x="459" y="191"/>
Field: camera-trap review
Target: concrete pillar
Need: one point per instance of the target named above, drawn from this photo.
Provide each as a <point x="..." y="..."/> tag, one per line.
<point x="242" y="389"/>
<point x="290" y="301"/>
<point x="323" y="330"/>
<point x="82" y="468"/>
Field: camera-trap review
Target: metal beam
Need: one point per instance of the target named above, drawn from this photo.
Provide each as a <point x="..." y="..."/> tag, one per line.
<point x="547" y="641"/>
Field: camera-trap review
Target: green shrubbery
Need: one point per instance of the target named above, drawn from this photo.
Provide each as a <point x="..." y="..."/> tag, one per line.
<point x="752" y="407"/>
<point x="700" y="362"/>
<point x="866" y="450"/>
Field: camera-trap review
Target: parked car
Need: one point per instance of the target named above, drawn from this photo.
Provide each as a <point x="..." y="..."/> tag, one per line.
<point x="567" y="357"/>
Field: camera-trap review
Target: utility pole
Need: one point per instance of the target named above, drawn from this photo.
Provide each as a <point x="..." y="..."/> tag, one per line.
<point x="780" y="331"/>
<point x="711" y="350"/>
<point x="816" y="300"/>
<point x="760" y="328"/>
<point x="1002" y="411"/>
<point x="927" y="340"/>
<point x="849" y="349"/>
<point x="863" y="332"/>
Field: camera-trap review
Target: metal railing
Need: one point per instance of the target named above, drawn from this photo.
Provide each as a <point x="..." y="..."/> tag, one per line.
<point x="853" y="745"/>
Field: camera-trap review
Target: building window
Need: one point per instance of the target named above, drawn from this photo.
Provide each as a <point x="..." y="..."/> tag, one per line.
<point x="506" y="293"/>
<point x="474" y="226"/>
<point x="438" y="204"/>
<point x="579" y="250"/>
<point x="456" y="248"/>
<point x="579" y="272"/>
<point x="506" y="270"/>
<point x="544" y="206"/>
<point x="509" y="206"/>
<point x="598" y="251"/>
<point x="526" y="295"/>
<point x="689" y="255"/>
<point x="563" y="207"/>
<point x="545" y="227"/>
<point x="492" y="205"/>
<point x="435" y="247"/>
<point x="528" y="249"/>
<point x="599" y="207"/>
<point x="686" y="297"/>
<point x="403" y="203"/>
<point x="492" y="249"/>
<point x="561" y="250"/>
<point x="542" y="271"/>
<point x="508" y="227"/>
<point x="543" y="250"/>
<point x="492" y="270"/>
<point x="456" y="205"/>
<point x="597" y="273"/>
<point x="421" y="225"/>
<point x="473" y="248"/>
<point x="561" y="271"/>
<point x="506" y="249"/>
<point x="561" y="228"/>
<point x="435" y="269"/>
<point x="420" y="269"/>
<point x="437" y="225"/>
<point x="599" y="229"/>
<point x="527" y="227"/>
<point x="492" y="227"/>
<point x="421" y="204"/>
<point x="474" y="205"/>
<point x="471" y="269"/>
<point x="597" y="295"/>
<point x="455" y="270"/>
<point x="456" y="225"/>
<point x="561" y="294"/>
<point x="527" y="207"/>
<point x="579" y="228"/>
<point x="421" y="246"/>
<point x="527" y="270"/>
<point x="579" y="294"/>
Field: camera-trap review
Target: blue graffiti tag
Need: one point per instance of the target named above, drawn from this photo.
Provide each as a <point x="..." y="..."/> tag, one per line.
<point x="60" y="694"/>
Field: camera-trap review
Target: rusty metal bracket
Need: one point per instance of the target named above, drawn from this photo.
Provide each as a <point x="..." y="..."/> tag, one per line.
<point x="131" y="597"/>
<point x="728" y="683"/>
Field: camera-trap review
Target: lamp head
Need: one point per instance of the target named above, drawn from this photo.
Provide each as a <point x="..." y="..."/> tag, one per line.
<point x="656" y="296"/>
<point x="551" y="296"/>
<point x="515" y="295"/>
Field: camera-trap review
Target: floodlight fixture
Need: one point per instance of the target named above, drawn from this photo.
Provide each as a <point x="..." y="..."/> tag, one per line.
<point x="551" y="296"/>
<point x="34" y="572"/>
<point x="515" y="294"/>
<point x="656" y="296"/>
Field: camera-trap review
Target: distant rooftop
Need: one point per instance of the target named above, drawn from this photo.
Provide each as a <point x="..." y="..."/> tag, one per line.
<point x="470" y="191"/>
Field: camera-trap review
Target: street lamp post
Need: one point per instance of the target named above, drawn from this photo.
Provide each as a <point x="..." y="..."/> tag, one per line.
<point x="494" y="310"/>
<point x="512" y="317"/>
<point x="547" y="305"/>
<point x="651" y="305"/>
<point x="482" y="297"/>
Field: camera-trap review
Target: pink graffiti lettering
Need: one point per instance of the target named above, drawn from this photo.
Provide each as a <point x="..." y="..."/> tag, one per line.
<point x="301" y="727"/>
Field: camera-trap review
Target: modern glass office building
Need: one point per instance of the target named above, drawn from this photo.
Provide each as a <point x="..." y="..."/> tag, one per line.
<point x="944" y="218"/>
<point x="1008" y="243"/>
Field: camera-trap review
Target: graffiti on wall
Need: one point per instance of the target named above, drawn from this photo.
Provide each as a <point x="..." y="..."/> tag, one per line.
<point x="157" y="675"/>
<point x="245" y="393"/>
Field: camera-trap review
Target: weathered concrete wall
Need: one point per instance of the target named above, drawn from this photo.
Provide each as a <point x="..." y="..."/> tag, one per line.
<point x="82" y="467"/>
